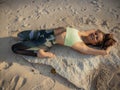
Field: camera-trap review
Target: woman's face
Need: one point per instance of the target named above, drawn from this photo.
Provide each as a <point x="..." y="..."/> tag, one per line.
<point x="95" y="37"/>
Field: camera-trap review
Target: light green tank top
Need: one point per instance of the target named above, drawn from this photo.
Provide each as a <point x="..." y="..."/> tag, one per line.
<point x="71" y="37"/>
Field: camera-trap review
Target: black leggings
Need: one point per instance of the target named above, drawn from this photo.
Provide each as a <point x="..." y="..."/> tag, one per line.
<point x="32" y="41"/>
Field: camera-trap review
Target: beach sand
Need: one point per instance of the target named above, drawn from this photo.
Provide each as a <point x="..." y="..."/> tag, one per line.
<point x="20" y="15"/>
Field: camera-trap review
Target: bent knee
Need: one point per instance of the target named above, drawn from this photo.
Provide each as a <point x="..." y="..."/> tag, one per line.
<point x="14" y="48"/>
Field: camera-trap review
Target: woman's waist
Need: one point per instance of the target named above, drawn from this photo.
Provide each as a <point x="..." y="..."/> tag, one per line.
<point x="60" y="39"/>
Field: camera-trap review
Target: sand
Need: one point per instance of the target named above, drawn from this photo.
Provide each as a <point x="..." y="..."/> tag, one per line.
<point x="20" y="15"/>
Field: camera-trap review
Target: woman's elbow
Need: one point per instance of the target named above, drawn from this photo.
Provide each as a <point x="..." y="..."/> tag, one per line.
<point x="104" y="53"/>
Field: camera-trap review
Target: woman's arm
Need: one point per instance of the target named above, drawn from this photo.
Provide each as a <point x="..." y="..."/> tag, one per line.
<point x="82" y="48"/>
<point x="87" y="32"/>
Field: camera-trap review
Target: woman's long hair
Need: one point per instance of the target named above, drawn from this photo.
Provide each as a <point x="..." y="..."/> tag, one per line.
<point x="108" y="40"/>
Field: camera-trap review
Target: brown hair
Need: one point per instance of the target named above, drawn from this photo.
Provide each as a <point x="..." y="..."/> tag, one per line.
<point x="108" y="41"/>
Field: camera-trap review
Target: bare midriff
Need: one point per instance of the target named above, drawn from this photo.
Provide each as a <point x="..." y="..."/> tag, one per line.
<point x="61" y="38"/>
<point x="60" y="34"/>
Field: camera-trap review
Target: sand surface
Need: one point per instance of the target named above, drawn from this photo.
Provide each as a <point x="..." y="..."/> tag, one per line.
<point x="20" y="15"/>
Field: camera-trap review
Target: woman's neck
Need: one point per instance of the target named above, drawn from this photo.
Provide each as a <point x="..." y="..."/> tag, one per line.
<point x="84" y="38"/>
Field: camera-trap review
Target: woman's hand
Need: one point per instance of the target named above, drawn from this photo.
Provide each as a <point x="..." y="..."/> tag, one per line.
<point x="108" y="49"/>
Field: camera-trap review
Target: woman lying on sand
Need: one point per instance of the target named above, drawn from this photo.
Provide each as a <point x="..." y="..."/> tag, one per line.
<point x="77" y="40"/>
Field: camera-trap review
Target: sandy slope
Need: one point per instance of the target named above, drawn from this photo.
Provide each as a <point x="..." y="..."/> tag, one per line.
<point x="19" y="15"/>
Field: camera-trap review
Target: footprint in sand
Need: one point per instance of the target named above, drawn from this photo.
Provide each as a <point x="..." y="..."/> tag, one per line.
<point x="91" y="20"/>
<point x="2" y="1"/>
<point x="97" y="4"/>
<point x="114" y="83"/>
<point x="105" y="24"/>
<point x="5" y="65"/>
<point x="115" y="29"/>
<point x="118" y="84"/>
<point x="45" y="11"/>
<point x="16" y="83"/>
<point x="118" y="74"/>
<point x="114" y="12"/>
<point x="50" y="84"/>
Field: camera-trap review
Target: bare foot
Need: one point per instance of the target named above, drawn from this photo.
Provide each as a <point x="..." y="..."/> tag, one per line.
<point x="50" y="55"/>
<point x="43" y="54"/>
